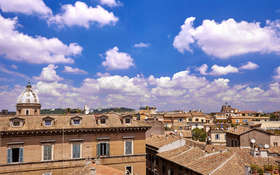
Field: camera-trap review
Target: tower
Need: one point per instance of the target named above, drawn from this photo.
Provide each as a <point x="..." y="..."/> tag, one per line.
<point x="28" y="102"/>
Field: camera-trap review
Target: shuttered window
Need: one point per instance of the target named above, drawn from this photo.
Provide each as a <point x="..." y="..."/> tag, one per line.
<point x="47" y="152"/>
<point x="15" y="155"/>
<point x="103" y="149"/>
<point x="128" y="147"/>
<point x="76" y="150"/>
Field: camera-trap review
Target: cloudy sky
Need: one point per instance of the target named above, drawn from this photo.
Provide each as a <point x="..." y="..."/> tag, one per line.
<point x="188" y="54"/>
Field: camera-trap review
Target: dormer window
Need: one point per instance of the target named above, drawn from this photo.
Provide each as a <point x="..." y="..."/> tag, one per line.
<point x="48" y="121"/>
<point x="16" y="122"/>
<point x="102" y="121"/>
<point x="127" y="120"/>
<point x="76" y="120"/>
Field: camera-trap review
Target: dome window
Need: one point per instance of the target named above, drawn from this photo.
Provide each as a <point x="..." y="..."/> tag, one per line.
<point x="126" y="119"/>
<point x="101" y="119"/>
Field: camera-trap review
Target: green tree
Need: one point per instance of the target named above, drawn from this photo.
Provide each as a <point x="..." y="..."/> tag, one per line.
<point x="199" y="134"/>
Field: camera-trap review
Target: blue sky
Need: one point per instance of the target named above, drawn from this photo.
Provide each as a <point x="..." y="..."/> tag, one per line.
<point x="188" y="54"/>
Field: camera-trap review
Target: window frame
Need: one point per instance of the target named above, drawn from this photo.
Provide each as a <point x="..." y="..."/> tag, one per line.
<point x="132" y="146"/>
<point x="107" y="148"/>
<point x="20" y="154"/>
<point x="81" y="150"/>
<point x="49" y="120"/>
<point x="52" y="151"/>
<point x="131" y="173"/>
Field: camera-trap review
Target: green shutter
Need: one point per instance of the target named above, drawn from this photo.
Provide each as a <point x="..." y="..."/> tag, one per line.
<point x="20" y="154"/>
<point x="98" y="149"/>
<point x="107" y="149"/>
<point x="9" y="155"/>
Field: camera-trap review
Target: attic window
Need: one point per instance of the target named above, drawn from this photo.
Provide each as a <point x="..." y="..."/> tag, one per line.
<point x="76" y="121"/>
<point x="48" y="122"/>
<point x="127" y="120"/>
<point x="103" y="121"/>
<point x="16" y="123"/>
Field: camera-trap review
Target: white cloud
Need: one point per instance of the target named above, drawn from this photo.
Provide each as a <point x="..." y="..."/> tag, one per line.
<point x="202" y="69"/>
<point x="228" y="38"/>
<point x="223" y="70"/>
<point x="14" y="66"/>
<point x="82" y="15"/>
<point x="110" y="3"/>
<point x="14" y="73"/>
<point x="72" y="70"/>
<point x="49" y="74"/>
<point x="20" y="47"/>
<point x="217" y="70"/>
<point x="141" y="45"/>
<point x="26" y="7"/>
<point x="277" y="71"/>
<point x="117" y="60"/>
<point x="249" y="66"/>
<point x="182" y="90"/>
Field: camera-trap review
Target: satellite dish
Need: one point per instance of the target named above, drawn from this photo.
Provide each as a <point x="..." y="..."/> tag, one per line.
<point x="253" y="141"/>
<point x="266" y="146"/>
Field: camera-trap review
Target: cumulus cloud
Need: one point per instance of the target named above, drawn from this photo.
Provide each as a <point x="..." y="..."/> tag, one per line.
<point x="26" y="7"/>
<point x="110" y="3"/>
<point x="228" y="38"/>
<point x="277" y="71"/>
<point x="217" y="70"/>
<point x="82" y="15"/>
<point x="249" y="66"/>
<point x="72" y="70"/>
<point x="182" y="90"/>
<point x="223" y="70"/>
<point x="203" y="69"/>
<point x="20" y="47"/>
<point x="141" y="45"/>
<point x="117" y="60"/>
<point x="49" y="74"/>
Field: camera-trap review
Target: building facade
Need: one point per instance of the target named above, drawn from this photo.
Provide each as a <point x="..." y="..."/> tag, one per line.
<point x="64" y="144"/>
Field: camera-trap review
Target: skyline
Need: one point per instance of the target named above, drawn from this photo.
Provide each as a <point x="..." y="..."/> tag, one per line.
<point x="109" y="53"/>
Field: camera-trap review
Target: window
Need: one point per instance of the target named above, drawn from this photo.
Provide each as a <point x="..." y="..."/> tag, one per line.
<point x="47" y="173"/>
<point x="15" y="155"/>
<point x="127" y="120"/>
<point x="190" y="119"/>
<point x="217" y="137"/>
<point x="202" y="120"/>
<point x="180" y="120"/>
<point x="76" y="121"/>
<point x="103" y="149"/>
<point x="103" y="121"/>
<point x="48" y="122"/>
<point x="196" y="119"/>
<point x="47" y="152"/>
<point x="128" y="147"/>
<point x="275" y="144"/>
<point x="180" y="128"/>
<point x="27" y="112"/>
<point x="76" y="150"/>
<point x="128" y="170"/>
<point x="16" y="123"/>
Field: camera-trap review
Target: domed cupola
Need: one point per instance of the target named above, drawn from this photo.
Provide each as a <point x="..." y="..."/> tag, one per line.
<point x="28" y="102"/>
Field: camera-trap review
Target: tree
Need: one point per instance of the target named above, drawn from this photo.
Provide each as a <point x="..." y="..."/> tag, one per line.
<point x="199" y="134"/>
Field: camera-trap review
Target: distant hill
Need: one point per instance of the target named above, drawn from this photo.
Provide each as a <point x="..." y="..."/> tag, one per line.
<point x="105" y="110"/>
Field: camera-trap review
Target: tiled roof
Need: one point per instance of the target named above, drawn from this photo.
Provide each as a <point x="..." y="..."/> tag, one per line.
<point x="161" y="140"/>
<point x="64" y="121"/>
<point x="238" y="130"/>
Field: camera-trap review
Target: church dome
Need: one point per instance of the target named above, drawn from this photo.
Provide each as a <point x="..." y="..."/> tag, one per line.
<point x="28" y="96"/>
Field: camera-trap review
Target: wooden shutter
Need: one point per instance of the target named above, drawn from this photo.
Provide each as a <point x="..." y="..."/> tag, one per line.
<point x="20" y="154"/>
<point x="9" y="155"/>
<point x="107" y="149"/>
<point x="98" y="149"/>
